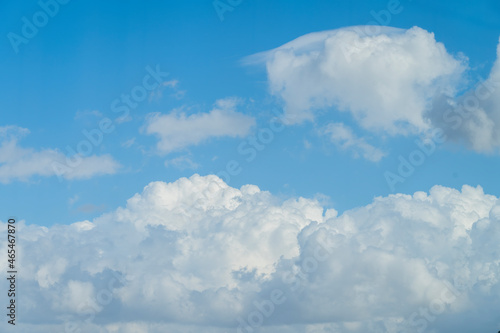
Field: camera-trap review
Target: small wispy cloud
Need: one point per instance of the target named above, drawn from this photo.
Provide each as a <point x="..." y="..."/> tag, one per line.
<point x="177" y="131"/>
<point x="344" y="138"/>
<point x="129" y="143"/>
<point x="73" y="200"/>
<point x="182" y="163"/>
<point x="157" y="93"/>
<point x="19" y="163"/>
<point x="91" y="208"/>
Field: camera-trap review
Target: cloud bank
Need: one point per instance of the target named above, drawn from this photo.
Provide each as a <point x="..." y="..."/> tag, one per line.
<point x="197" y="255"/>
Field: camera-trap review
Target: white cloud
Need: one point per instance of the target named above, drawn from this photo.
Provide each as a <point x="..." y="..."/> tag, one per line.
<point x="344" y="138"/>
<point x="158" y="92"/>
<point x="177" y="131"/>
<point x="129" y="143"/>
<point x="76" y="297"/>
<point x="474" y="117"/>
<point x="18" y="163"/>
<point x="73" y="200"/>
<point x="50" y="273"/>
<point x="10" y="131"/>
<point x="384" y="76"/>
<point x="195" y="255"/>
<point x="393" y="80"/>
<point x="182" y="163"/>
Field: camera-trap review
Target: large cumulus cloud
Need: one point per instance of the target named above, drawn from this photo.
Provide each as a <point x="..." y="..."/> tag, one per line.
<point x="395" y="81"/>
<point x="384" y="76"/>
<point x="196" y="255"/>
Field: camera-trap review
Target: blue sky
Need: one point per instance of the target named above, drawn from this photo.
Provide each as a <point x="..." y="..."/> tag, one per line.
<point x="91" y="53"/>
<point x="216" y="98"/>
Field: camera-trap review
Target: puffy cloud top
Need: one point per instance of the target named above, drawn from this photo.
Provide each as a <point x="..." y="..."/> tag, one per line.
<point x="393" y="80"/>
<point x="198" y="255"/>
<point x="384" y="76"/>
